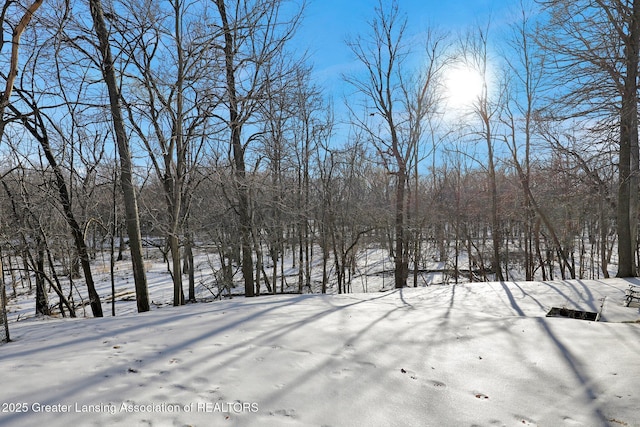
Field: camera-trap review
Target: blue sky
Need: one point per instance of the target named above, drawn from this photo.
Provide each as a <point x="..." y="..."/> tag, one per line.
<point x="327" y="23"/>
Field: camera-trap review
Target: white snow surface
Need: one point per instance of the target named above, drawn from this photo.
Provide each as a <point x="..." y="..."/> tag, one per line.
<point x="476" y="354"/>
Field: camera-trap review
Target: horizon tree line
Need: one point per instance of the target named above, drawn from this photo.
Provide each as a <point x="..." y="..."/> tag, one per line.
<point x="196" y="124"/>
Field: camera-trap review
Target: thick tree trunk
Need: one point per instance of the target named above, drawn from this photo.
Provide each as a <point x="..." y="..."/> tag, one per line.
<point x="42" y="301"/>
<point x="189" y="265"/>
<point x="401" y="264"/>
<point x="238" y="154"/>
<point x="245" y="219"/>
<point x="401" y="268"/>
<point x="627" y="189"/>
<point x="174" y="181"/>
<point x="496" y="236"/>
<point x="3" y="305"/>
<point x="604" y="238"/>
<point x="126" y="176"/>
<point x="178" y="293"/>
<point x="634" y="178"/>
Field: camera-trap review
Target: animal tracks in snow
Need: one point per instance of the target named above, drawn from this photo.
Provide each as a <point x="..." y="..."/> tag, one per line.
<point x="429" y="383"/>
<point x="341" y="373"/>
<point x="288" y="413"/>
<point x="437" y="384"/>
<point x="352" y="368"/>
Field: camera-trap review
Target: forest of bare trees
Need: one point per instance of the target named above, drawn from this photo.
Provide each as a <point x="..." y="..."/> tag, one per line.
<point x="197" y="126"/>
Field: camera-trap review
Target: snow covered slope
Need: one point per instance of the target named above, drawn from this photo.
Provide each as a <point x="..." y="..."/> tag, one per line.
<point x="480" y="354"/>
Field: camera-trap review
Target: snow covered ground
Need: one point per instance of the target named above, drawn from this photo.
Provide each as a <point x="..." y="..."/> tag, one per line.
<point x="480" y="354"/>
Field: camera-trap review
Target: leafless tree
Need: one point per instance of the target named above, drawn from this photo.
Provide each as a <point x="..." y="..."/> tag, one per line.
<point x="486" y="108"/>
<point x="5" y="98"/>
<point x="37" y="124"/>
<point x="17" y="32"/>
<point x="126" y="167"/>
<point x="168" y="104"/>
<point x="526" y="66"/>
<point x="398" y="101"/>
<point x="595" y="46"/>
<point x="251" y="35"/>
<point x="38" y="130"/>
<point x="523" y="85"/>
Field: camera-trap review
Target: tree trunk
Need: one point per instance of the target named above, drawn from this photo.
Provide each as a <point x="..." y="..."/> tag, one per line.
<point x="627" y="190"/>
<point x="189" y="263"/>
<point x="42" y="301"/>
<point x="3" y="305"/>
<point x="496" y="237"/>
<point x="178" y="293"/>
<point x="238" y="154"/>
<point x="126" y="176"/>
<point x="174" y="177"/>
<point x="76" y="230"/>
<point x="604" y="235"/>
<point x="401" y="264"/>
<point x="401" y="270"/>
<point x="5" y="96"/>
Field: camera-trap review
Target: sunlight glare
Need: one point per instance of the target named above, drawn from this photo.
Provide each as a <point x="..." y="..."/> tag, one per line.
<point x="464" y="86"/>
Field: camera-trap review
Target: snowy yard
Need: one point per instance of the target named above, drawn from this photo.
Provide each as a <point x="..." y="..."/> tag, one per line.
<point x="480" y="354"/>
<point x="326" y="153"/>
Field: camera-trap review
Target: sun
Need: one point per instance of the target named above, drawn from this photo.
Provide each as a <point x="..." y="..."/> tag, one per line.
<point x="463" y="86"/>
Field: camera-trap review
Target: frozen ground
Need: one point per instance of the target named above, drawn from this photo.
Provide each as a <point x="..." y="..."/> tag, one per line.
<point x="480" y="354"/>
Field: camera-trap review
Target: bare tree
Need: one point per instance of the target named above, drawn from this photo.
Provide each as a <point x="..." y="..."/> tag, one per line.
<point x="523" y="93"/>
<point x="252" y="34"/>
<point x="38" y="129"/>
<point x="126" y="167"/>
<point x="399" y="102"/>
<point x="595" y="45"/>
<point x="3" y="307"/>
<point x="17" y="32"/>
<point x="168" y="105"/>
<point x="36" y="123"/>
<point x="522" y="103"/>
<point x="475" y="55"/>
<point x="5" y="100"/>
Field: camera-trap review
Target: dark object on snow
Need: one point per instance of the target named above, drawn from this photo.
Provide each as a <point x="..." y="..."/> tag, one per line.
<point x="572" y="314"/>
<point x="633" y="293"/>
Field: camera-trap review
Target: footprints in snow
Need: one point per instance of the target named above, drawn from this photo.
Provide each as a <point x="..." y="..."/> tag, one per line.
<point x="433" y="383"/>
<point x="355" y="367"/>
<point x="341" y="373"/>
<point x="288" y="413"/>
